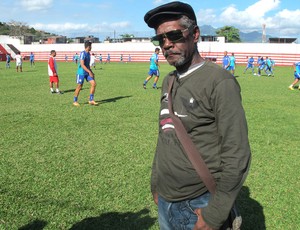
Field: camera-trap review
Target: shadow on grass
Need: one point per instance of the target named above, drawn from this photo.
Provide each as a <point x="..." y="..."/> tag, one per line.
<point x="251" y="211"/>
<point x="70" y="90"/>
<point x="116" y="220"/>
<point x="34" y="225"/>
<point x="114" y="99"/>
<point x="109" y="100"/>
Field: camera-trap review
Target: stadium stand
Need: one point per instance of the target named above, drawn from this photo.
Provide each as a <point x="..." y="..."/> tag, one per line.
<point x="282" y="54"/>
<point x="13" y="48"/>
<point x="3" y="53"/>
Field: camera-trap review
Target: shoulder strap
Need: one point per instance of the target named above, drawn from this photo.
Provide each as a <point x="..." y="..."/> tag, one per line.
<point x="189" y="147"/>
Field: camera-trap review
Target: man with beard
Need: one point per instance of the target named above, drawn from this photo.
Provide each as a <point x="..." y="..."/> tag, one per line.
<point x="206" y="98"/>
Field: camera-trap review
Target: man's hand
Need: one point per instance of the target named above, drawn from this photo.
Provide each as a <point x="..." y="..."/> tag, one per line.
<point x="91" y="74"/>
<point x="155" y="197"/>
<point x="201" y="225"/>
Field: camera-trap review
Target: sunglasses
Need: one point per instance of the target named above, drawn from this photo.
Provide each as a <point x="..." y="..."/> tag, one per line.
<point x="172" y="36"/>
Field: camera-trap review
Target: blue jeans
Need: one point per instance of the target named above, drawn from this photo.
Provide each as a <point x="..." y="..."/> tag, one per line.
<point x="180" y="215"/>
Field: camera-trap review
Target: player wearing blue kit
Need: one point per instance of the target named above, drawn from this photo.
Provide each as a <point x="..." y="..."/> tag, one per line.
<point x="107" y="59"/>
<point x="153" y="69"/>
<point x="231" y="66"/>
<point x="261" y="65"/>
<point x="8" y="58"/>
<point x="76" y="58"/>
<point x="31" y="59"/>
<point x="268" y="68"/>
<point x="84" y="72"/>
<point x="226" y="61"/>
<point x="250" y="65"/>
<point x="296" y="75"/>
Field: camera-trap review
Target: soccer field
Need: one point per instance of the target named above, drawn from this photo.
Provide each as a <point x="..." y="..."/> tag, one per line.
<point x="88" y="167"/>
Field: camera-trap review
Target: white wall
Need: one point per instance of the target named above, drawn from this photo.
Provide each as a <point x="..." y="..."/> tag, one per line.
<point x="148" y="46"/>
<point x="283" y="54"/>
<point x="6" y="39"/>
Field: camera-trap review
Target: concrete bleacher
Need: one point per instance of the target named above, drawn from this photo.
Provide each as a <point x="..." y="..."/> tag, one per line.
<point x="3" y="53"/>
<point x="13" y="48"/>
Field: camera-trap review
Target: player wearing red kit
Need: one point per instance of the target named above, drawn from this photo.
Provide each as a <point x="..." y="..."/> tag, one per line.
<point x="52" y="72"/>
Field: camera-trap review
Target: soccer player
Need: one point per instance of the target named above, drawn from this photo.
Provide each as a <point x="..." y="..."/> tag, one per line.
<point x="18" y="58"/>
<point x="231" y="66"/>
<point x="268" y="68"/>
<point x="107" y="59"/>
<point x="92" y="62"/>
<point x="8" y="61"/>
<point x="31" y="59"/>
<point x="226" y="60"/>
<point x="52" y="72"/>
<point x="296" y="75"/>
<point x="250" y="64"/>
<point x="84" y="72"/>
<point x="153" y="69"/>
<point x="76" y="58"/>
<point x="261" y="65"/>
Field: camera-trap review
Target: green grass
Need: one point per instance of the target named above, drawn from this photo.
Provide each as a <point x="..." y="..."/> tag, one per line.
<point x="63" y="167"/>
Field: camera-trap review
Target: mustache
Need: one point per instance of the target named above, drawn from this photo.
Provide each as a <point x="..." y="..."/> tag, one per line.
<point x="168" y="52"/>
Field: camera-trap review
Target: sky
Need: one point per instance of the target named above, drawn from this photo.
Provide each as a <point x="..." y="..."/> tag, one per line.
<point x="117" y="17"/>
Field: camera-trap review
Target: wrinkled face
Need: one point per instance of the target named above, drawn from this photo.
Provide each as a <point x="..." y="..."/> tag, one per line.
<point x="178" y="52"/>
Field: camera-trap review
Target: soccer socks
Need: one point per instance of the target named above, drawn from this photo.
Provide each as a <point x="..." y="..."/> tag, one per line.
<point x="145" y="82"/>
<point x="51" y="90"/>
<point x="91" y="97"/>
<point x="75" y="99"/>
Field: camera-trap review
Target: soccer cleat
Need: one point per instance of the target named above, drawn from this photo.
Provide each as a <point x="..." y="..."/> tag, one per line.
<point x="291" y="88"/>
<point x="154" y="87"/>
<point x="59" y="92"/>
<point x="52" y="92"/>
<point x="144" y="86"/>
<point x="93" y="103"/>
<point x="76" y="104"/>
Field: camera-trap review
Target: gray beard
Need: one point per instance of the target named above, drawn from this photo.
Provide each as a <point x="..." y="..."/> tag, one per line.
<point x="181" y="61"/>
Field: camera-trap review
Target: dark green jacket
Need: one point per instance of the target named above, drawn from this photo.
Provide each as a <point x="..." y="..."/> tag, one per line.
<point x="208" y="102"/>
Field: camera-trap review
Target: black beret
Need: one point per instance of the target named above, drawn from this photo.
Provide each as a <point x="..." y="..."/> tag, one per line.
<point x="172" y="10"/>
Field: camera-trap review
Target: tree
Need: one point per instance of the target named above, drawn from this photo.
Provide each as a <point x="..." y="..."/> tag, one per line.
<point x="230" y="33"/>
<point x="127" y="35"/>
<point x="17" y="29"/>
<point x="4" y="29"/>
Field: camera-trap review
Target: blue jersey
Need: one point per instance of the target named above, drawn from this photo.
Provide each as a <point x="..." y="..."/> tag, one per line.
<point x="297" y="65"/>
<point x="232" y="61"/>
<point x="261" y="64"/>
<point x="226" y="61"/>
<point x="153" y="61"/>
<point x="86" y="57"/>
<point x="31" y="58"/>
<point x="258" y="60"/>
<point x="251" y="61"/>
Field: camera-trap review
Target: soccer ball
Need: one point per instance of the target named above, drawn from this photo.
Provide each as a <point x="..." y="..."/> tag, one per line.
<point x="254" y="74"/>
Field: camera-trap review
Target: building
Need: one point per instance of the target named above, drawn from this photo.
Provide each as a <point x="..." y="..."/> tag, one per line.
<point x="282" y="40"/>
